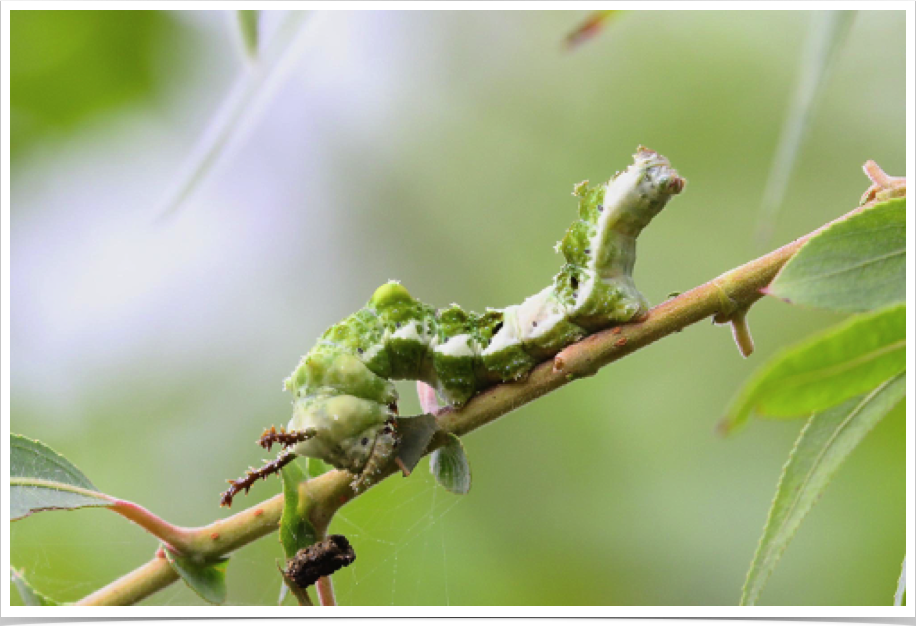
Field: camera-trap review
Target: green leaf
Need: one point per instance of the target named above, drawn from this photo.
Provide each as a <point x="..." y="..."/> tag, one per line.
<point x="450" y="466"/>
<point x="42" y="480"/>
<point x="855" y="265"/>
<point x="296" y="532"/>
<point x="208" y="579"/>
<point x="248" y="27"/>
<point x="842" y="362"/>
<point x="30" y="596"/>
<point x="824" y="443"/>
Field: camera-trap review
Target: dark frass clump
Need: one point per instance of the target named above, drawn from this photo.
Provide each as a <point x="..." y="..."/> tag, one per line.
<point x="319" y="560"/>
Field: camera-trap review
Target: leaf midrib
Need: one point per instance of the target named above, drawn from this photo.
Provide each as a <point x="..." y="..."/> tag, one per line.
<point x="838" y="368"/>
<point x="847" y="268"/>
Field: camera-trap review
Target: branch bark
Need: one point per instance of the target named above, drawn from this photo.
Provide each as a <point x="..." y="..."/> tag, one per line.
<point x="736" y="289"/>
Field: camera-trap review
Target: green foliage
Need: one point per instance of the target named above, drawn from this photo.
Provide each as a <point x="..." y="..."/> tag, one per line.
<point x="858" y="264"/>
<point x="825" y="442"/>
<point x="855" y="265"/>
<point x="845" y="361"/>
<point x="70" y="66"/>
<point x="248" y="28"/>
<point x="206" y="579"/>
<point x="450" y="466"/>
<point x="41" y="480"/>
<point x="296" y="532"/>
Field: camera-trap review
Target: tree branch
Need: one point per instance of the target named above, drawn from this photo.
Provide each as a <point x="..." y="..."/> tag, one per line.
<point x="328" y="492"/>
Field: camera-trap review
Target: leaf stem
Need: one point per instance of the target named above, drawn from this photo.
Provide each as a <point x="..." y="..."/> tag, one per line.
<point x="176" y="537"/>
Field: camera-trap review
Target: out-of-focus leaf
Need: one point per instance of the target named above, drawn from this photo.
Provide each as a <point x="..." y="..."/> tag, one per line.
<point x="248" y="28"/>
<point x="593" y="24"/>
<point x="238" y="112"/>
<point x="30" y="596"/>
<point x="842" y="362"/>
<point x="825" y="442"/>
<point x="70" y="68"/>
<point x="855" y="265"/>
<point x="208" y="580"/>
<point x="901" y="585"/>
<point x="450" y="466"/>
<point x="826" y="35"/>
<point x="41" y="480"/>
<point x="296" y="532"/>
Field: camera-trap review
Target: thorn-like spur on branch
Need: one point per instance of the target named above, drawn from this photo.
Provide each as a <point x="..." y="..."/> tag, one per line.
<point x="742" y="333"/>
<point x="883" y="187"/>
<point x="737" y="319"/>
<point x="283" y="437"/>
<point x="735" y="314"/>
<point x="253" y="475"/>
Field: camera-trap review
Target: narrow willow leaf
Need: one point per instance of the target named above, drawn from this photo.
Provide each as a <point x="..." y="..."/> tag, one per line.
<point x="248" y="29"/>
<point x="825" y="39"/>
<point x="208" y="580"/>
<point x="30" y="596"/>
<point x="855" y="265"/>
<point x="42" y="480"/>
<point x="450" y="466"/>
<point x="296" y="532"/>
<point x="825" y="442"/>
<point x="901" y="585"/>
<point x="239" y="111"/>
<point x="836" y="365"/>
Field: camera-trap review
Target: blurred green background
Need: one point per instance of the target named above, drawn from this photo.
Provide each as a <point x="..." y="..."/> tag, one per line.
<point x="440" y="149"/>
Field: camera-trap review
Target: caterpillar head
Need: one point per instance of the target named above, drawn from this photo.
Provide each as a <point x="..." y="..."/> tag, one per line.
<point x="347" y="430"/>
<point x="641" y="191"/>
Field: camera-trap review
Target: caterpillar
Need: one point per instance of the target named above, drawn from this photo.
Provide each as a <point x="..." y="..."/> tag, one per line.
<point x="344" y="400"/>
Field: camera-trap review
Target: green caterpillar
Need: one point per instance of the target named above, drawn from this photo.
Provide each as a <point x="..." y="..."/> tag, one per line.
<point x="345" y="403"/>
